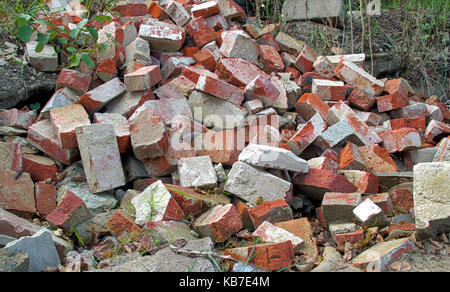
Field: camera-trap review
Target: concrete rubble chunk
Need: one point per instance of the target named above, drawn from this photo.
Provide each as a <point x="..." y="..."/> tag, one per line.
<point x="96" y="142"/>
<point x="431" y="200"/>
<point x="338" y="207"/>
<point x="250" y="183"/>
<point x="239" y="45"/>
<point x="370" y="214"/>
<point x="267" y="232"/>
<point x="354" y="75"/>
<point x="45" y="60"/>
<point x="197" y="172"/>
<point x="40" y="248"/>
<point x="273" y="157"/>
<point x="307" y="9"/>
<point x="156" y="203"/>
<point x="14" y="261"/>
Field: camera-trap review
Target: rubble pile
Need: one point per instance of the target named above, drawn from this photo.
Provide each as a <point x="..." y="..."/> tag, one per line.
<point x="200" y="132"/>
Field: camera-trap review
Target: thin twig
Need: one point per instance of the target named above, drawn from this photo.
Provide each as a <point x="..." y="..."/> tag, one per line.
<point x="351" y="25"/>
<point x="370" y="39"/>
<point x="362" y="24"/>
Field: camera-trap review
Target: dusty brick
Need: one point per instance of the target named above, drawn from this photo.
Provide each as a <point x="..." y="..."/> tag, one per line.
<point x="273" y="212"/>
<point x="190" y="51"/>
<point x="301" y="227"/>
<point x="220" y="89"/>
<point x="157" y="11"/>
<point x="310" y="104"/>
<point x="167" y="164"/>
<point x="289" y="44"/>
<point x="17" y="118"/>
<point x="403" y="198"/>
<point x="193" y="73"/>
<point x="237" y="71"/>
<point x="270" y="59"/>
<point x="361" y="100"/>
<point x="122" y="226"/>
<point x="74" y="80"/>
<point x="271" y="256"/>
<point x="106" y="70"/>
<point x="96" y="142"/>
<point x="167" y="108"/>
<point x="42" y="136"/>
<point x="254" y="106"/>
<point x="177" y="13"/>
<point x="369" y="214"/>
<point x="354" y="75"/>
<point x="267" y="232"/>
<point x="400" y="140"/>
<point x="39" y="167"/>
<point x="127" y="103"/>
<point x="16" y="195"/>
<point x="121" y="128"/>
<point x="64" y="120"/>
<point x="138" y="51"/>
<point x="350" y="158"/>
<point x="365" y="182"/>
<point x="307" y="134"/>
<point x="329" y="90"/>
<point x="399" y="85"/>
<point x="230" y="10"/>
<point x="162" y="37"/>
<point x="204" y="37"/>
<point x="239" y="45"/>
<point x="205" y="9"/>
<point x="148" y="135"/>
<point x="45" y="198"/>
<point x="70" y="212"/>
<point x="319" y="181"/>
<point x="338" y="207"/>
<point x="206" y="59"/>
<point x="12" y="156"/>
<point x="416" y="123"/>
<point x="305" y="60"/>
<point x="46" y="60"/>
<point x="336" y="136"/>
<point x="143" y="79"/>
<point x="443" y="151"/>
<point x="217" y="22"/>
<point x="436" y="131"/>
<point x="383" y="201"/>
<point x="370" y="118"/>
<point x="391" y="102"/>
<point x="377" y="159"/>
<point x="97" y="98"/>
<point x="219" y="223"/>
<point x="352" y="237"/>
<point x="197" y="172"/>
<point x="323" y="163"/>
<point x="262" y="88"/>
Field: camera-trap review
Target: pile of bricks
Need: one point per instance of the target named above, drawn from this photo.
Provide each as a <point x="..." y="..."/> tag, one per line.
<point x="196" y="115"/>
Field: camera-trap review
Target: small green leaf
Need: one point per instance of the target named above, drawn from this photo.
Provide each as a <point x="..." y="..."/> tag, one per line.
<point x="52" y="34"/>
<point x="103" y="18"/>
<point x="39" y="47"/>
<point x="42" y="38"/>
<point x="88" y="61"/>
<point x="72" y="50"/>
<point x="74" y="60"/>
<point x="93" y="32"/>
<point x="43" y="22"/>
<point x="24" y="33"/>
<point x="74" y="33"/>
<point x="81" y="24"/>
<point x="22" y="18"/>
<point x="35" y="106"/>
<point x="62" y="41"/>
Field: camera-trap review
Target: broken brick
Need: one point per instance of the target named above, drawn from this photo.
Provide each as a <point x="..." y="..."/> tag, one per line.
<point x="70" y="212"/>
<point x="74" y="80"/>
<point x="45" y="198"/>
<point x="219" y="223"/>
<point x="39" y="167"/>
<point x="65" y="120"/>
<point x="273" y="212"/>
<point x="16" y="195"/>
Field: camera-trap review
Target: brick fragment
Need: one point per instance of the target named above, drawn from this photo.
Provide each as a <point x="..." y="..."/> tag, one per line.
<point x="17" y="118"/>
<point x="70" y="212"/>
<point x="162" y="37"/>
<point x="45" y="198"/>
<point x="267" y="232"/>
<point x="42" y="136"/>
<point x="273" y="212"/>
<point x="289" y="44"/>
<point x="74" y="80"/>
<point x="262" y="88"/>
<point x="307" y="134"/>
<point x="361" y="100"/>
<point x="205" y="9"/>
<point x="206" y="59"/>
<point x="219" y="223"/>
<point x="365" y="182"/>
<point x="403" y="198"/>
<point x="354" y="75"/>
<point x="97" y="142"/>
<point x="350" y="158"/>
<point x="197" y="172"/>
<point x="338" y="207"/>
<point x="352" y="237"/>
<point x="436" y="131"/>
<point x="329" y="90"/>
<point x="131" y="9"/>
<point x="305" y="60"/>
<point x="310" y="104"/>
<point x="148" y="135"/>
<point x="271" y="256"/>
<point x="400" y="140"/>
<point x="177" y="13"/>
<point x="230" y="10"/>
<point x="399" y="85"/>
<point x="239" y="45"/>
<point x="143" y="79"/>
<point x="323" y="163"/>
<point x="97" y="98"/>
<point x="16" y="195"/>
<point x="39" y="167"/>
<point x="270" y="59"/>
<point x="65" y="120"/>
<point x="336" y="135"/>
<point x="370" y="214"/>
<point x="121" y="128"/>
<point x="382" y="200"/>
<point x="319" y="181"/>
<point x="391" y="102"/>
<point x="12" y="156"/>
<point x="237" y="71"/>
<point x="46" y="60"/>
<point x="122" y="226"/>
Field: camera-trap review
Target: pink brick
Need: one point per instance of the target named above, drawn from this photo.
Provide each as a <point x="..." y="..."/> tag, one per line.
<point x="310" y="104"/>
<point x="270" y="59"/>
<point x="143" y="79"/>
<point x="65" y="120"/>
<point x="42" y="136"/>
<point x="39" y="167"/>
<point x="305" y="60"/>
<point x="97" y="98"/>
<point x="400" y="140"/>
<point x="17" y="118"/>
<point x="148" y="135"/>
<point x="70" y="212"/>
<point x="352" y="237"/>
<point x="121" y="128"/>
<point x="436" y="131"/>
<point x="262" y="88"/>
<point x="16" y="195"/>
<point x="45" y="198"/>
<point x="12" y="156"/>
<point x="354" y="75"/>
<point x="307" y="134"/>
<point x="220" y="89"/>
<point x="329" y="90"/>
<point x="390" y="102"/>
<point x="237" y="71"/>
<point x="361" y="100"/>
<point x="219" y="223"/>
<point x="206" y="9"/>
<point x="177" y="13"/>
<point x="74" y="80"/>
<point x="97" y="142"/>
